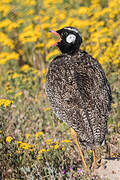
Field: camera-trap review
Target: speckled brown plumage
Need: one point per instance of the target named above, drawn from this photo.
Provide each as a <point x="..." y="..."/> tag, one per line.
<point x="79" y="94"/>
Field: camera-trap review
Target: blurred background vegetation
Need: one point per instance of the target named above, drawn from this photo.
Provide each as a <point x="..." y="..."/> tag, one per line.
<point x="33" y="143"/>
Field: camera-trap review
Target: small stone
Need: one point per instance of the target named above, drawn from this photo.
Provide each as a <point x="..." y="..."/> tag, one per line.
<point x="113" y="172"/>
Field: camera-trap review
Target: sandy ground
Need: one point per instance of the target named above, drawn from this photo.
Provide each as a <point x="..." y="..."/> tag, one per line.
<point x="110" y="170"/>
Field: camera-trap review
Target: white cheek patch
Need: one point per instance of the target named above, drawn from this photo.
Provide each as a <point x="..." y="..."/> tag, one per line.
<point x="70" y="38"/>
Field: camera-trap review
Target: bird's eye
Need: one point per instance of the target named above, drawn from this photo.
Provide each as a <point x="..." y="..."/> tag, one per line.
<point x="70" y="38"/>
<point x="65" y="33"/>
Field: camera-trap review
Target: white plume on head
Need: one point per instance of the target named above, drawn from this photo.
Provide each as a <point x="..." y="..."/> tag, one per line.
<point x="70" y="38"/>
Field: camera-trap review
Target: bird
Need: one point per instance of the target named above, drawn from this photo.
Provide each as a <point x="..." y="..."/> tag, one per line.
<point x="78" y="91"/>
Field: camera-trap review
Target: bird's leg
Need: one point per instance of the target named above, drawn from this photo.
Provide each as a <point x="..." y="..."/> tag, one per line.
<point x="93" y="160"/>
<point x="75" y="138"/>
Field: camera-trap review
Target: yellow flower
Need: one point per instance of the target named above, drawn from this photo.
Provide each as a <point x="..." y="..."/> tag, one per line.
<point x="47" y="109"/>
<point x="13" y="25"/>
<point x="18" y="142"/>
<point x="31" y="150"/>
<point x="52" y="54"/>
<point x="20" y="21"/>
<point x="45" y="18"/>
<point x="62" y="15"/>
<point x="39" y="45"/>
<point x="66" y="141"/>
<point x="36" y="18"/>
<point x="48" y="150"/>
<point x="6" y="1"/>
<point x="116" y="61"/>
<point x="4" y="39"/>
<point x="56" y="142"/>
<point x="45" y="26"/>
<point x="9" y="139"/>
<point x="15" y="75"/>
<point x="4" y="23"/>
<point x="118" y="125"/>
<point x="30" y="12"/>
<point x="20" y="51"/>
<point x="44" y="71"/>
<point x="48" y="141"/>
<point x="24" y="145"/>
<point x="5" y="9"/>
<point x="18" y="152"/>
<point x="38" y="134"/>
<point x="42" y="151"/>
<point x="26" y="67"/>
<point x="50" y="42"/>
<point x="5" y="56"/>
<point x="27" y="136"/>
<point x="56" y="146"/>
<point x="30" y="2"/>
<point x="83" y="10"/>
<point x="5" y="102"/>
<point x="30" y="34"/>
<point x="38" y="157"/>
<point x="18" y="94"/>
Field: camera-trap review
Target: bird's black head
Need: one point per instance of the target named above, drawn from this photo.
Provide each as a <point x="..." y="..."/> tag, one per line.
<point x="70" y="40"/>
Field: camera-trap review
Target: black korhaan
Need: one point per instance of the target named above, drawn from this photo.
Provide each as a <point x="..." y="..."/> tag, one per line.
<point x="78" y="90"/>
